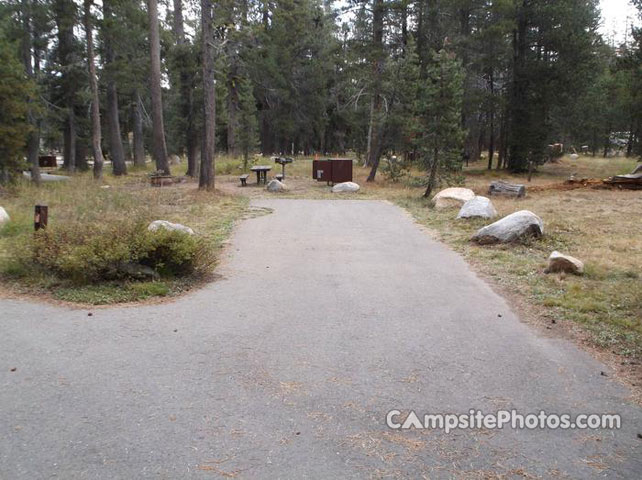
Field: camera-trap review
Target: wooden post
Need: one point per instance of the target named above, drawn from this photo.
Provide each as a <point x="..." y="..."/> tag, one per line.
<point x="41" y="217"/>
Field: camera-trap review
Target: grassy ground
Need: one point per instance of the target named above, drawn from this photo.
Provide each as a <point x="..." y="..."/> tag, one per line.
<point x="80" y="203"/>
<point x="601" y="227"/>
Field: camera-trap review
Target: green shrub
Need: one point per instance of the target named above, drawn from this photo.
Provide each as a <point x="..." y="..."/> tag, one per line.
<point x="84" y="254"/>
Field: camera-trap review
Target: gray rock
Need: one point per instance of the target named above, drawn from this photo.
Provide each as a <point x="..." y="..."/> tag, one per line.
<point x="558" y="262"/>
<point x="511" y="228"/>
<point x="347" y="187"/>
<point x="275" y="186"/>
<point x="172" y="227"/>
<point x="452" y="197"/>
<point x="47" y="177"/>
<point x="478" y="207"/>
<point x="574" y="156"/>
<point x="174" y="160"/>
<point x="138" y="272"/>
<point x="4" y="216"/>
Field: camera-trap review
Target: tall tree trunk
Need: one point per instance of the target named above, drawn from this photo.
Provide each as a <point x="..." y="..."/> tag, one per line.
<point x="96" y="134"/>
<point x="71" y="139"/>
<point x="433" y="173"/>
<point x="232" y="106"/>
<point x="186" y="79"/>
<point x="376" y="122"/>
<point x="206" y="179"/>
<point x="137" y="126"/>
<point x="116" y="151"/>
<point x="519" y="105"/>
<point x="159" y="147"/>
<point x="33" y="141"/>
<point x="65" y="16"/>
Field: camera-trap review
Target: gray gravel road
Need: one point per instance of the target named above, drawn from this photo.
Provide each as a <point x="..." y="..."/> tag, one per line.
<point x="329" y="314"/>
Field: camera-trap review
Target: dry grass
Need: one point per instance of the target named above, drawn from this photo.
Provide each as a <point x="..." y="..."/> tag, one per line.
<point x="81" y="203"/>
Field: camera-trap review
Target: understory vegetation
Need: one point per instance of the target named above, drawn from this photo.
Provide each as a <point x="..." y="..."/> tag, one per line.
<point x="97" y="248"/>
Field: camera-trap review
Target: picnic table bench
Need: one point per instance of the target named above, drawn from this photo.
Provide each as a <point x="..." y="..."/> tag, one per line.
<point x="243" y="178"/>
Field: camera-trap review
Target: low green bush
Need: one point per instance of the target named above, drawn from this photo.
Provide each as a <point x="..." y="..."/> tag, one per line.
<point x="85" y="254"/>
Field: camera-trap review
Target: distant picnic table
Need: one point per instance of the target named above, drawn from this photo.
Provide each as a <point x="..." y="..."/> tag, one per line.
<point x="261" y="172"/>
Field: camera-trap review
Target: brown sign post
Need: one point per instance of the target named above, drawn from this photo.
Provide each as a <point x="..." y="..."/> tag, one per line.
<point x="40" y="217"/>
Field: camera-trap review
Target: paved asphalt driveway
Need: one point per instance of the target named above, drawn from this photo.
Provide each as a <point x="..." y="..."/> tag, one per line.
<point x="330" y="314"/>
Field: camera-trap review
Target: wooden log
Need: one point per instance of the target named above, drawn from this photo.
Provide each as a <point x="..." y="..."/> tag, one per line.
<point x="507" y="189"/>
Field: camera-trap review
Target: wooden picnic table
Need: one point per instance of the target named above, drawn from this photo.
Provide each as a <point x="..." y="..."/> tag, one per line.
<point x="261" y="172"/>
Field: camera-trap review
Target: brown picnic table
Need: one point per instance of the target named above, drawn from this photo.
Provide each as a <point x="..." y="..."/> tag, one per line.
<point x="261" y="172"/>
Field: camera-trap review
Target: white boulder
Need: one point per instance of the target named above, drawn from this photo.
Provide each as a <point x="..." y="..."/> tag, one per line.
<point x="349" y="187"/>
<point x="574" y="156"/>
<point x="452" y="197"/>
<point x="511" y="228"/>
<point x="276" y="186"/>
<point x="4" y="216"/>
<point x="558" y="262"/>
<point x="478" y="207"/>
<point x="172" y="227"/>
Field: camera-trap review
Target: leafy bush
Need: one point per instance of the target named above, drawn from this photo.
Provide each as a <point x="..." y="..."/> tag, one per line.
<point x="91" y="253"/>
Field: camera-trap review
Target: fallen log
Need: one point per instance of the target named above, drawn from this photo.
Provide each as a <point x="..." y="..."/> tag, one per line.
<point x="507" y="189"/>
<point x="632" y="181"/>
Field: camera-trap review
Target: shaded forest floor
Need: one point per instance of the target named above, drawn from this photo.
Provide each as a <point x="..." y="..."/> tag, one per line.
<point x="601" y="309"/>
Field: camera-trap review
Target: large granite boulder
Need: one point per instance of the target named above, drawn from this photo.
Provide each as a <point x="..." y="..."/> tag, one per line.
<point x="345" y="187"/>
<point x="558" y="262"/>
<point x="511" y="228"/>
<point x="452" y="197"/>
<point x="478" y="207"/>
<point x="172" y="227"/>
<point x="275" y="186"/>
<point x="4" y="216"/>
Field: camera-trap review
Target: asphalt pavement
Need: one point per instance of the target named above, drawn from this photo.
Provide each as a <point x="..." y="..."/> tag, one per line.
<point x="327" y="315"/>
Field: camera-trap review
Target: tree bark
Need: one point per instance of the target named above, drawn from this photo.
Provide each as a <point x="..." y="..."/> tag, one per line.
<point x="206" y="179"/>
<point x="519" y="124"/>
<point x="96" y="134"/>
<point x="186" y="88"/>
<point x="375" y="117"/>
<point x="33" y="141"/>
<point x="65" y="13"/>
<point x="137" y="123"/>
<point x="116" y="150"/>
<point x="159" y="147"/>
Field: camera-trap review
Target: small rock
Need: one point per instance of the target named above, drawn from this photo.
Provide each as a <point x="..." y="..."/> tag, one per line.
<point x="604" y="374"/>
<point x="13" y="369"/>
<point x="90" y="314"/>
<point x="558" y="262"/>
<point x="478" y="207"/>
<point x="452" y="197"/>
<point x="4" y="216"/>
<point x="275" y="186"/>
<point x="345" y="187"/>
<point x="138" y="271"/>
<point x="511" y="228"/>
<point x="172" y="227"/>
